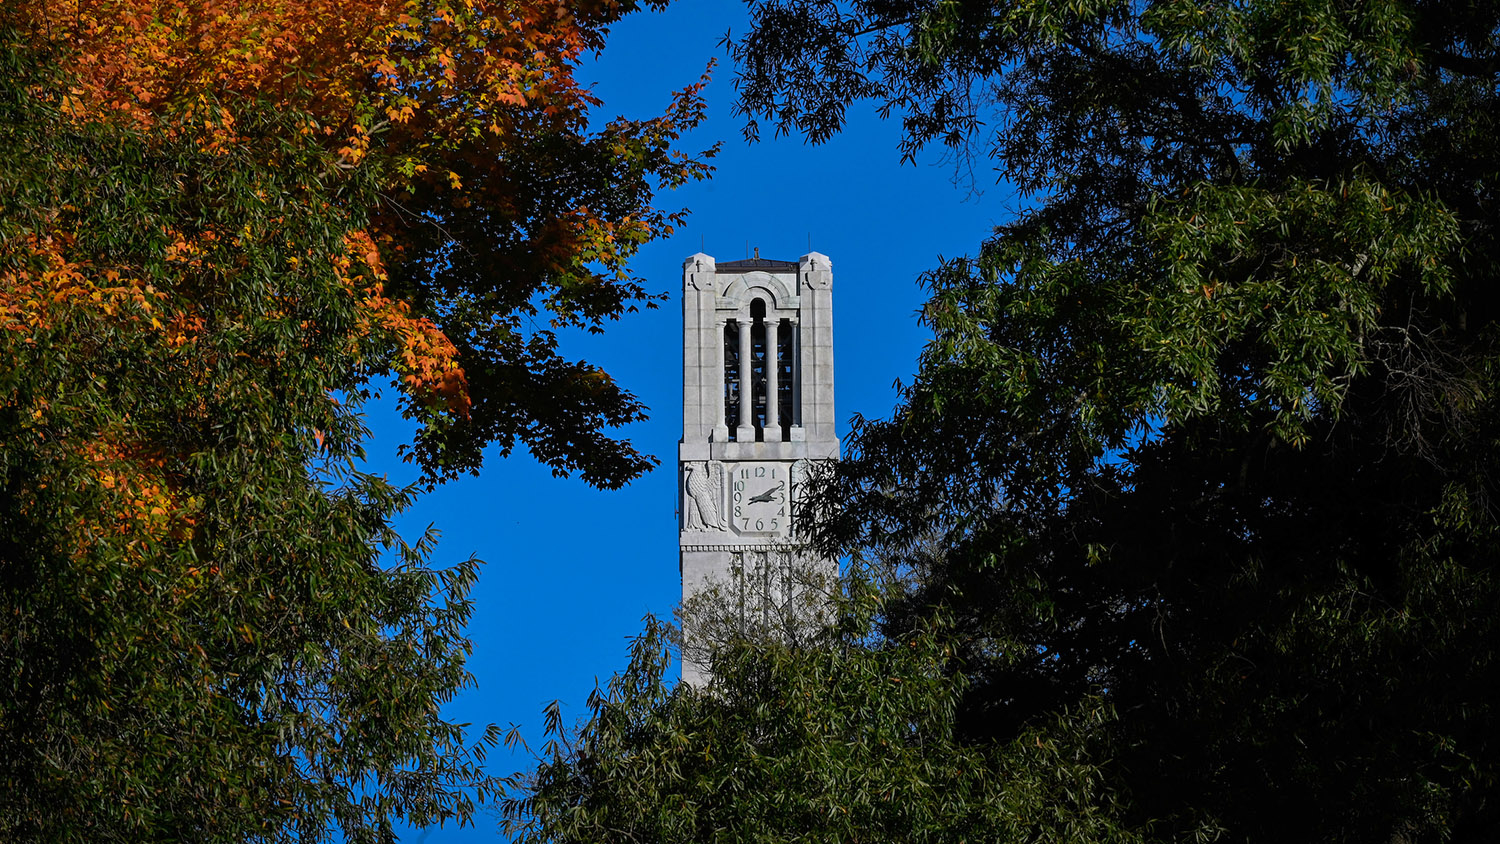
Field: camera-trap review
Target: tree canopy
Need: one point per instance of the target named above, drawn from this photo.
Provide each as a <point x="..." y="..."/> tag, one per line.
<point x="222" y="225"/>
<point x="839" y="742"/>
<point x="1208" y="430"/>
<point x="1201" y="460"/>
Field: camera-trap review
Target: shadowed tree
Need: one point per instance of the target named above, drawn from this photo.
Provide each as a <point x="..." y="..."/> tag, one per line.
<point x="836" y="739"/>
<point x="223" y="224"/>
<point x="1207" y="432"/>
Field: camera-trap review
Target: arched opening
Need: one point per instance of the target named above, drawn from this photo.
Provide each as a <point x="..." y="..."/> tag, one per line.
<point x="732" y="376"/>
<point x="760" y="375"/>
<point x="760" y="367"/>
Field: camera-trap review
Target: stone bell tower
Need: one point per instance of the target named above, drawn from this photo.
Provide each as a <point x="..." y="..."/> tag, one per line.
<point x="757" y="396"/>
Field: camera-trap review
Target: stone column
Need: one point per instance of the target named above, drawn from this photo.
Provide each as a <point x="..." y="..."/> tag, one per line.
<point x="700" y="358"/>
<point x="746" y="431"/>
<point x="692" y="410"/>
<point x="816" y="277"/>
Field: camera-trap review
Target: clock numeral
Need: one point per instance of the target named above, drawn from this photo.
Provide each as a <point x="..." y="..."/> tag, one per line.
<point x="760" y="471"/>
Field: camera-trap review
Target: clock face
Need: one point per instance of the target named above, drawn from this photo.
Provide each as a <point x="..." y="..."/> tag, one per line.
<point x="760" y="500"/>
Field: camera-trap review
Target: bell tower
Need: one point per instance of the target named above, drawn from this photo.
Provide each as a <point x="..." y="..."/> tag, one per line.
<point x="757" y="396"/>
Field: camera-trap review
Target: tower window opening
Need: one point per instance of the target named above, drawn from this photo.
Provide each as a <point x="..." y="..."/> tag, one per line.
<point x="731" y="376"/>
<point x="759" y="370"/>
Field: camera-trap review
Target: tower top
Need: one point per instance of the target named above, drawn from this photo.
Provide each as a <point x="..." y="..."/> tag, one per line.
<point x="758" y="358"/>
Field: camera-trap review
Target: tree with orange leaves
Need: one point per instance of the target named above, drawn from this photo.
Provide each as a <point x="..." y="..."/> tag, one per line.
<point x="222" y="223"/>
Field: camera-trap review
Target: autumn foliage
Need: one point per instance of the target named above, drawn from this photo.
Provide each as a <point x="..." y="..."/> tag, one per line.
<point x="446" y="86"/>
<point x="222" y="225"/>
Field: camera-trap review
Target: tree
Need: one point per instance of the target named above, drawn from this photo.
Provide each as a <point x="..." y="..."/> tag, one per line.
<point x="782" y="597"/>
<point x="222" y="226"/>
<point x="840" y="742"/>
<point x="1208" y="432"/>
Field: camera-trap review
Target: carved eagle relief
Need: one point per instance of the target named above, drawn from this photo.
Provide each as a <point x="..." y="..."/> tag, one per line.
<point x="705" y="484"/>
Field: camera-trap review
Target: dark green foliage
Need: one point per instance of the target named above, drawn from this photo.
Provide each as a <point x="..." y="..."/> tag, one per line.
<point x="209" y="630"/>
<point x="216" y="241"/>
<point x="1209" y="433"/>
<point x="844" y="743"/>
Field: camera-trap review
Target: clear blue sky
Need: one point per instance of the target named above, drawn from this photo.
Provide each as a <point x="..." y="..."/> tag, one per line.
<point x="571" y="571"/>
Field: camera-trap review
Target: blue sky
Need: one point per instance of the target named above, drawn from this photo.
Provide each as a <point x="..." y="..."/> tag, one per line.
<point x="571" y="571"/>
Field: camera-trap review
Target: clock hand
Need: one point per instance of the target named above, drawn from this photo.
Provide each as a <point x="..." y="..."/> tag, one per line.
<point x="768" y="495"/>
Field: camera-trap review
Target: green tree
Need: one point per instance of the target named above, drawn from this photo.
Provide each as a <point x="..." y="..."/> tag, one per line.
<point x="847" y="741"/>
<point x="1208" y="432"/>
<point x="216" y="237"/>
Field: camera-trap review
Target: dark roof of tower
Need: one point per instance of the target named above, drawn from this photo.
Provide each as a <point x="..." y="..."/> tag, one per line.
<point x="755" y="264"/>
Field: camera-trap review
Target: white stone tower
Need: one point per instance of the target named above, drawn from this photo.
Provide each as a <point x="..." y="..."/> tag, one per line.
<point x="757" y="396"/>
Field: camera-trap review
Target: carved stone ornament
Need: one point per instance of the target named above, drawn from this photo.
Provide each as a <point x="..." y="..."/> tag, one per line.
<point x="817" y="274"/>
<point x="700" y="280"/>
<point x="700" y="506"/>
